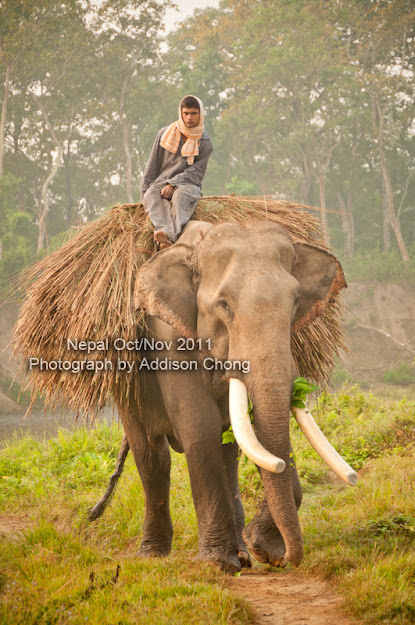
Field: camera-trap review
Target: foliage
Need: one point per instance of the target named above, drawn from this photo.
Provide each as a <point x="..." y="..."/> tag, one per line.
<point x="402" y="375"/>
<point x="75" y="71"/>
<point x="241" y="187"/>
<point x="301" y="388"/>
<point x="379" y="266"/>
<point x="300" y="80"/>
<point x="292" y="90"/>
<point x="340" y="376"/>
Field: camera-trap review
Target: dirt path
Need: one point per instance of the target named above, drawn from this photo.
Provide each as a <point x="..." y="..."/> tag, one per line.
<point x="285" y="599"/>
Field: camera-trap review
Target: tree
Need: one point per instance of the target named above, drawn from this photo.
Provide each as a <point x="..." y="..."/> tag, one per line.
<point x="380" y="45"/>
<point x="63" y="101"/>
<point x="128" y="36"/>
<point x="20" y="22"/>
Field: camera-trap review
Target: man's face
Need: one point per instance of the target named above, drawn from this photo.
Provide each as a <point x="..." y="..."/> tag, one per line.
<point x="190" y="117"/>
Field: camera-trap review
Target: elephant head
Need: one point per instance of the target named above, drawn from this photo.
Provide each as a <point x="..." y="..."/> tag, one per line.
<point x="247" y="287"/>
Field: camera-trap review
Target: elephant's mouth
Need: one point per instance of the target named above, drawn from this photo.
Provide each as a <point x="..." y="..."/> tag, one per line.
<point x="249" y="444"/>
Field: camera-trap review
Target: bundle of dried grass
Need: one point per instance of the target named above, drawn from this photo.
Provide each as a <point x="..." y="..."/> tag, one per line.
<point x="84" y="291"/>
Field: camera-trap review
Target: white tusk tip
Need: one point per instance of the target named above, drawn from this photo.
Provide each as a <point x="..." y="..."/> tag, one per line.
<point x="322" y="446"/>
<point x="279" y="466"/>
<point x="352" y="478"/>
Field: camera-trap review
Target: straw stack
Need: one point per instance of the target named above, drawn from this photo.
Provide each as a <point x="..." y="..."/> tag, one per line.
<point x="84" y="291"/>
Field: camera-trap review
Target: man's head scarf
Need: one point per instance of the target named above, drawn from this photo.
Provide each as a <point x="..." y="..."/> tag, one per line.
<point x="171" y="136"/>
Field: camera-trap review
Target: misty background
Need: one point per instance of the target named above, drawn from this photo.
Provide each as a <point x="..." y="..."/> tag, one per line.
<point x="306" y="100"/>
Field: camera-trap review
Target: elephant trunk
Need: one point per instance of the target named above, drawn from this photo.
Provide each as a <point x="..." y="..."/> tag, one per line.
<point x="269" y="384"/>
<point x="278" y="488"/>
<point x="271" y="417"/>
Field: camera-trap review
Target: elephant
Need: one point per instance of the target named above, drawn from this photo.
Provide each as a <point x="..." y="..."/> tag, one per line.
<point x="224" y="295"/>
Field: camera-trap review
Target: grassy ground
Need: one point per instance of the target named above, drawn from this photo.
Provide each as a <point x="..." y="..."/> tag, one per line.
<point x="57" y="568"/>
<point x="363" y="538"/>
<point x="61" y="569"/>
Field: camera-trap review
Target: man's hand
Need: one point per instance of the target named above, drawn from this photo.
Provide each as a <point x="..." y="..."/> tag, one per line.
<point x="167" y="191"/>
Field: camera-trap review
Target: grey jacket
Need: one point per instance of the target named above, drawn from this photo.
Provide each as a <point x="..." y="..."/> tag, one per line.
<point x="173" y="169"/>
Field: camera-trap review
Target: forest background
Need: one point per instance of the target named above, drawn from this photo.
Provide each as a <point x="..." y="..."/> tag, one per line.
<point x="306" y="100"/>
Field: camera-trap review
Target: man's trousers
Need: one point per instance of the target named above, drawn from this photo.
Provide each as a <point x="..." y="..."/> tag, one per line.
<point x="171" y="215"/>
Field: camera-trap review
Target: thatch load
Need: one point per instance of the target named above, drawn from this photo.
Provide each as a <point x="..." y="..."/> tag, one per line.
<point x="84" y="292"/>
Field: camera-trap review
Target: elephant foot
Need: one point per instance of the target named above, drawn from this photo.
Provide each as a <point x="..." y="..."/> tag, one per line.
<point x="150" y="549"/>
<point x="225" y="562"/>
<point x="265" y="544"/>
<point x="244" y="558"/>
<point x="155" y="546"/>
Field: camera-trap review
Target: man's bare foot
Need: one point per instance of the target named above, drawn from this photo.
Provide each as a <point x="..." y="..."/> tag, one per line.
<point x="161" y="240"/>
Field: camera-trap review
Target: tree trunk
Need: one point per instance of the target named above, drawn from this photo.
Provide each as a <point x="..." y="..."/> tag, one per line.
<point x="393" y="220"/>
<point x="44" y="204"/>
<point x="125" y="137"/>
<point x="386" y="222"/>
<point x="228" y="171"/>
<point x="347" y="223"/>
<point x="2" y="133"/>
<point x="308" y="178"/>
<point x="3" y="117"/>
<point x="322" y="184"/>
<point x="68" y="186"/>
<point x="128" y="162"/>
<point x="323" y="169"/>
<point x="378" y="121"/>
<point x="350" y="223"/>
<point x="259" y="178"/>
<point x="45" y="201"/>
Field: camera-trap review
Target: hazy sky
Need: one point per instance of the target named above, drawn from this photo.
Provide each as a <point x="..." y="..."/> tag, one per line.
<point x="186" y="8"/>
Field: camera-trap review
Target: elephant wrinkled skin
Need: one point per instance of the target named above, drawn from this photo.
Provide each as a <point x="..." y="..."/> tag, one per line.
<point x="244" y="287"/>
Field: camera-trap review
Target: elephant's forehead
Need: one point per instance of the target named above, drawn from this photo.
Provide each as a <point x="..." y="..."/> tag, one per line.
<point x="253" y="236"/>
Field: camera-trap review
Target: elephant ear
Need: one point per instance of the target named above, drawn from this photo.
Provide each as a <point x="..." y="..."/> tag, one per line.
<point x="321" y="278"/>
<point x="165" y="285"/>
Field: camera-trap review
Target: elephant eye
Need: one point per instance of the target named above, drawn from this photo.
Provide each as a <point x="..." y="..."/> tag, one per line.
<point x="221" y="303"/>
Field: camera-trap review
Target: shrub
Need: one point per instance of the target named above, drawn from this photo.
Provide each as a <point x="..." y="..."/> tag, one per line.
<point x="402" y="375"/>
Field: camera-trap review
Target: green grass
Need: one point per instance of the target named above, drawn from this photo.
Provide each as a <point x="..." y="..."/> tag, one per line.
<point x="363" y="537"/>
<point x="46" y="569"/>
<point x="57" y="568"/>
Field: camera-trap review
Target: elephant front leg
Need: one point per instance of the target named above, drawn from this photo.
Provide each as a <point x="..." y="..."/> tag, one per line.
<point x="218" y="541"/>
<point x="198" y="427"/>
<point x="230" y="454"/>
<point x="262" y="536"/>
<point x="152" y="457"/>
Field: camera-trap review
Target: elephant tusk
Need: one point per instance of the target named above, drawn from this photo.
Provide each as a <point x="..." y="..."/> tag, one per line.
<point x="244" y="434"/>
<point x="322" y="446"/>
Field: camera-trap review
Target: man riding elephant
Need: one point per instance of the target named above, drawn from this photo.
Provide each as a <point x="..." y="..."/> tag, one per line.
<point x="174" y="171"/>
